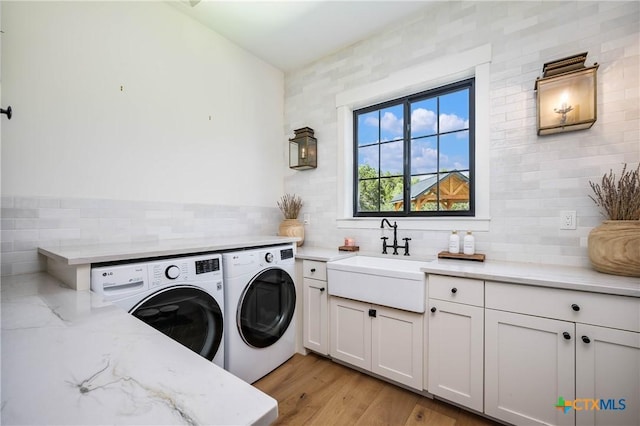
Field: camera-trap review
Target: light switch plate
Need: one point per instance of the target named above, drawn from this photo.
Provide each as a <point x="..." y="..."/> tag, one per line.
<point x="568" y="219"/>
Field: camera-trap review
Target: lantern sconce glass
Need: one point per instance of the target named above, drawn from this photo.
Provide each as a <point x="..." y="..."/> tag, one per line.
<point x="566" y="95"/>
<point x="303" y="152"/>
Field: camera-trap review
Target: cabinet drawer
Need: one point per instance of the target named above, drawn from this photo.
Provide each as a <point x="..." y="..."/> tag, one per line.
<point x="458" y="290"/>
<point x="582" y="307"/>
<point x="314" y="269"/>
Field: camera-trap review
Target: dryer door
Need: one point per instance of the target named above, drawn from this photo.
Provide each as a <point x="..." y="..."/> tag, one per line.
<point x="188" y="315"/>
<point x="266" y="308"/>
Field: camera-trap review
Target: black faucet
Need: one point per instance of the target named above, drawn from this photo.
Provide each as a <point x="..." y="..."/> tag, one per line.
<point x="395" y="245"/>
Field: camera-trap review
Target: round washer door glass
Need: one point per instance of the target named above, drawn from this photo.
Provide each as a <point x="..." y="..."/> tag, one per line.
<point x="188" y="315"/>
<point x="266" y="308"/>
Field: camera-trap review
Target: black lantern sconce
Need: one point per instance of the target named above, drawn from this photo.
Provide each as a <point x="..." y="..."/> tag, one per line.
<point x="566" y="95"/>
<point x="303" y="152"/>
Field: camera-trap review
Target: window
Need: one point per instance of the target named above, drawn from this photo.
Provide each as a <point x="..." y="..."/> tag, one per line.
<point x="414" y="156"/>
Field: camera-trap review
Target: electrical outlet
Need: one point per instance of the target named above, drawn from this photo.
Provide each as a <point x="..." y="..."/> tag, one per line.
<point x="568" y="219"/>
<point x="306" y="218"/>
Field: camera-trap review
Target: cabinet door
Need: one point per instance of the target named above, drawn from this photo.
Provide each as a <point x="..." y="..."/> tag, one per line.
<point x="397" y="342"/>
<point x="456" y="353"/>
<point x="529" y="365"/>
<point x="350" y="335"/>
<point x="315" y="323"/>
<point x="608" y="369"/>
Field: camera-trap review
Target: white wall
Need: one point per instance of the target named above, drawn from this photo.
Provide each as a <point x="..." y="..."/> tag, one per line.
<point x="75" y="133"/>
<point x="532" y="178"/>
<point x="84" y="162"/>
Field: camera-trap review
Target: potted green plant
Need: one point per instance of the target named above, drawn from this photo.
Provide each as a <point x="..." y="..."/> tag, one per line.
<point x="290" y="206"/>
<point x="614" y="246"/>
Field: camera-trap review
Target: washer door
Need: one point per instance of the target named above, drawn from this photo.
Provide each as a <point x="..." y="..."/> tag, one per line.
<point x="266" y="308"/>
<point x="188" y="315"/>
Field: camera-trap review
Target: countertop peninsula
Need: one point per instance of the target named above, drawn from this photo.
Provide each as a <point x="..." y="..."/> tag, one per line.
<point x="70" y="358"/>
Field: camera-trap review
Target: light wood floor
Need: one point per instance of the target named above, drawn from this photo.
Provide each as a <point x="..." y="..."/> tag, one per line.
<point x="316" y="391"/>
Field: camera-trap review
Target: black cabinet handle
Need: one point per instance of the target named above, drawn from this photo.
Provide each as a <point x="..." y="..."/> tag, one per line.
<point x="586" y="339"/>
<point x="372" y="313"/>
<point x="575" y="307"/>
<point x="322" y="289"/>
<point x="454" y="290"/>
<point x="433" y="309"/>
<point x="313" y="269"/>
<point x="566" y="335"/>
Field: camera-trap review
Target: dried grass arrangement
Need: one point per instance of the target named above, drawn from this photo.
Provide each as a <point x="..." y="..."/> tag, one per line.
<point x="619" y="198"/>
<point x="290" y="206"/>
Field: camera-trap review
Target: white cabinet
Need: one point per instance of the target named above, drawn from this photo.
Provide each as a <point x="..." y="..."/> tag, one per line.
<point x="456" y="340"/>
<point x="396" y="345"/>
<point x="608" y="367"/>
<point x="543" y="344"/>
<point x="315" y="323"/>
<point x="529" y="364"/>
<point x="385" y="341"/>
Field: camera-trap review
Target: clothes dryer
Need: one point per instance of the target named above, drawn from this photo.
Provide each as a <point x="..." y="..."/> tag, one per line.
<point x="181" y="297"/>
<point x="260" y="301"/>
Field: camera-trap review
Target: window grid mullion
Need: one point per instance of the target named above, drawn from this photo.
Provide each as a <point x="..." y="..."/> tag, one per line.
<point x="406" y="181"/>
<point x="438" y="154"/>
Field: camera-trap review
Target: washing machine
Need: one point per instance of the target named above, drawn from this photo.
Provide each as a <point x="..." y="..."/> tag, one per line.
<point x="182" y="297"/>
<point x="260" y="301"/>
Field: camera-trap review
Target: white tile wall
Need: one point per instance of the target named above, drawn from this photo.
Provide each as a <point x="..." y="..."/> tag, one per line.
<point x="30" y="222"/>
<point x="532" y="178"/>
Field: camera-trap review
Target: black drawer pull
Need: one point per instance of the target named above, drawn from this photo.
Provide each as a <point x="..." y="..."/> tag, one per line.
<point x="433" y="309"/>
<point x="575" y="307"/>
<point x="372" y="313"/>
<point x="313" y="269"/>
<point x="454" y="290"/>
<point x="586" y="339"/>
<point x="322" y="289"/>
<point x="566" y="335"/>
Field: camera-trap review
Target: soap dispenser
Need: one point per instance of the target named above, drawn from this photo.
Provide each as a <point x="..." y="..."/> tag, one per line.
<point x="469" y="244"/>
<point x="454" y="242"/>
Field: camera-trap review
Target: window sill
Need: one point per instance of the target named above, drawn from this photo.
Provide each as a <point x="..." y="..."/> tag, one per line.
<point x="419" y="224"/>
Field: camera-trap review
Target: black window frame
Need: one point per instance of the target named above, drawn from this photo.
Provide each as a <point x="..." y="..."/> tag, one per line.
<point x="406" y="101"/>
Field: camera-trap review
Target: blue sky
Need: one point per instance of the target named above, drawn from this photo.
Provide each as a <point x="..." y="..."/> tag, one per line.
<point x="454" y="154"/>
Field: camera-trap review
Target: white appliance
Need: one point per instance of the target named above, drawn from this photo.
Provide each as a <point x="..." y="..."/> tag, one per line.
<point x="182" y="297"/>
<point x="260" y="301"/>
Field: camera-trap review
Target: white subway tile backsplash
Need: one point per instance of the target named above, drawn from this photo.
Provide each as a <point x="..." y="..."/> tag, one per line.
<point x="532" y="178"/>
<point x="69" y="222"/>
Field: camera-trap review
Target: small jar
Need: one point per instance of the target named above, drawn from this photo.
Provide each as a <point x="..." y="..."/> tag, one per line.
<point x="454" y="242"/>
<point x="469" y="244"/>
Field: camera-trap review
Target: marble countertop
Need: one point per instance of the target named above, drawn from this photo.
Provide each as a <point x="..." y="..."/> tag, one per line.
<point x="70" y="358"/>
<point x="97" y="253"/>
<point x="556" y="276"/>
<point x="322" y="254"/>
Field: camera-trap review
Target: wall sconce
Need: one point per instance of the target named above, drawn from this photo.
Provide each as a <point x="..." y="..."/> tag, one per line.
<point x="303" y="153"/>
<point x="566" y="95"/>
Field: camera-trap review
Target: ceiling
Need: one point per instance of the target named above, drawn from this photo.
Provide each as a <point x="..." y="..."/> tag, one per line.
<point x="292" y="33"/>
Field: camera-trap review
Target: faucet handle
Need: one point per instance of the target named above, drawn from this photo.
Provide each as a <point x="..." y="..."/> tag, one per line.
<point x="406" y="245"/>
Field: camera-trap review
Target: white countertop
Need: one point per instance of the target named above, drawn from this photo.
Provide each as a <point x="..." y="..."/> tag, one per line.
<point x="556" y="276"/>
<point x="322" y="254"/>
<point x="97" y="253"/>
<point x="69" y="358"/>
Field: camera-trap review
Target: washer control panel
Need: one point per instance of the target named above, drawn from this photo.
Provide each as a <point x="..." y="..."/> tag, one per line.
<point x="122" y="280"/>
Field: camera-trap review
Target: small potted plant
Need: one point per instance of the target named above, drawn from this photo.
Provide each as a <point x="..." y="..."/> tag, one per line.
<point x="614" y="246"/>
<point x="290" y="206"/>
